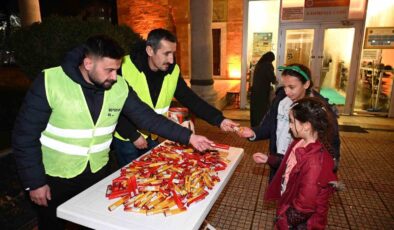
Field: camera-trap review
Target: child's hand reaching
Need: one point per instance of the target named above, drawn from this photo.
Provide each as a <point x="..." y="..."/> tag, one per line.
<point x="260" y="158"/>
<point x="244" y="132"/>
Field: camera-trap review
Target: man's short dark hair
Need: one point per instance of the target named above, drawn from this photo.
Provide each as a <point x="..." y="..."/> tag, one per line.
<point x="103" y="46"/>
<point x="156" y="35"/>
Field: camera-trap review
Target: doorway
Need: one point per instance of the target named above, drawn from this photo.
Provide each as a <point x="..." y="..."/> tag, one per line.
<point x="330" y="51"/>
<point x="219" y="46"/>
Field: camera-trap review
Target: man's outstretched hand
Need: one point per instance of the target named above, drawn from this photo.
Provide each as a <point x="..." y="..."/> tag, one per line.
<point x="228" y="125"/>
<point x="200" y="143"/>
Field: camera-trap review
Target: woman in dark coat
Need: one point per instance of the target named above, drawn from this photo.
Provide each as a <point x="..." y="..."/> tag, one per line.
<point x="262" y="78"/>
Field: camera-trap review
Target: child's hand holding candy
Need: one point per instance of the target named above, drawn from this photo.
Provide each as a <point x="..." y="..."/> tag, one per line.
<point x="244" y="132"/>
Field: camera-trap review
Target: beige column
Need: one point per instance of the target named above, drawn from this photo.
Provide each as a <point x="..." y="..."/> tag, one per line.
<point x="30" y="11"/>
<point x="201" y="50"/>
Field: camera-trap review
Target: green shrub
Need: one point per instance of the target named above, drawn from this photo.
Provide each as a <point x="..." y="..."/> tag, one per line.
<point x="44" y="44"/>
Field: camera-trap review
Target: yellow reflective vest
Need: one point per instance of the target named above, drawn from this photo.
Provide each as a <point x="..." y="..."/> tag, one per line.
<point x="71" y="139"/>
<point x="137" y="80"/>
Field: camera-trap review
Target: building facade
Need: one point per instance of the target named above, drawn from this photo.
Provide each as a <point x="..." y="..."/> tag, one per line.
<point x="347" y="44"/>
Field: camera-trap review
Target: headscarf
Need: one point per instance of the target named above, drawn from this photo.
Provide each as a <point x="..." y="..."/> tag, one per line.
<point x="267" y="57"/>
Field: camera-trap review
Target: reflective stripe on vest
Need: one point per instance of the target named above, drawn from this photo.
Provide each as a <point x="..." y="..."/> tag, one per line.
<point x="162" y="111"/>
<point x="73" y="149"/>
<point x="80" y="133"/>
<point x="137" y="80"/>
<point x="71" y="140"/>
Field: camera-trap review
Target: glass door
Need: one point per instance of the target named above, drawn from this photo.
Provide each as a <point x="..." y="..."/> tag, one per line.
<point x="328" y="50"/>
<point x="335" y="63"/>
<point x="375" y="83"/>
<point x="298" y="46"/>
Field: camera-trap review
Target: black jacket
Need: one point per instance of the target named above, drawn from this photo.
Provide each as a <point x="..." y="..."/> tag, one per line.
<point x="267" y="127"/>
<point x="35" y="112"/>
<point x="183" y="94"/>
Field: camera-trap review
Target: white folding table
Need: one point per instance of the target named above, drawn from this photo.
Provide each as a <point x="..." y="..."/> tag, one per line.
<point x="89" y="208"/>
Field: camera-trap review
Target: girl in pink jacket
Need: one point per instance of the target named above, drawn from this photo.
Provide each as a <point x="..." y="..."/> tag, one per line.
<point x="305" y="179"/>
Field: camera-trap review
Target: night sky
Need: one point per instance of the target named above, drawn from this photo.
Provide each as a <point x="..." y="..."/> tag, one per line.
<point x="58" y="7"/>
<point x="8" y="6"/>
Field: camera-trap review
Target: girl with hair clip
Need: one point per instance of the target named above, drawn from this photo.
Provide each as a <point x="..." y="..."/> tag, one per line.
<point x="305" y="179"/>
<point x="296" y="84"/>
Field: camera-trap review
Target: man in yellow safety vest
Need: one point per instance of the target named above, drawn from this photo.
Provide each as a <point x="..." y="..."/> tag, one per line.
<point x="152" y="72"/>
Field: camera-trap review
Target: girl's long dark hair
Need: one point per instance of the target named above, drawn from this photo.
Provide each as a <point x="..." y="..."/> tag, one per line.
<point x="316" y="112"/>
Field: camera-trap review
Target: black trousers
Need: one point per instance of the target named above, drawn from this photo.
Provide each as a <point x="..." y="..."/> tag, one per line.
<point x="61" y="191"/>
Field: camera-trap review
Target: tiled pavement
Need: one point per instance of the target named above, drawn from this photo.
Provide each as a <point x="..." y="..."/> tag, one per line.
<point x="366" y="168"/>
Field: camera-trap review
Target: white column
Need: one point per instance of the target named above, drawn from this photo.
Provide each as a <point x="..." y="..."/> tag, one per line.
<point x="201" y="49"/>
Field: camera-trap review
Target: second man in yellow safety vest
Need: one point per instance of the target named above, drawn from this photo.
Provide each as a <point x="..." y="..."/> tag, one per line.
<point x="152" y="72"/>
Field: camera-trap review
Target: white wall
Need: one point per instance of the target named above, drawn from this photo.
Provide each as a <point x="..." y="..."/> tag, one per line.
<point x="263" y="17"/>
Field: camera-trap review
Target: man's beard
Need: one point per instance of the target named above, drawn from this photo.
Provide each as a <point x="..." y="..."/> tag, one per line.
<point x="107" y="84"/>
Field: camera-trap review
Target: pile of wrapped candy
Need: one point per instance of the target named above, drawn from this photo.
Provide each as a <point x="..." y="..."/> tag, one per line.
<point x="167" y="180"/>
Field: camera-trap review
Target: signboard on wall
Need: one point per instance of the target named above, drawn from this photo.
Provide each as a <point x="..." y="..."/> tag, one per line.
<point x="326" y="10"/>
<point x="379" y="38"/>
<point x="262" y="43"/>
<point x="293" y="13"/>
<point x="371" y="55"/>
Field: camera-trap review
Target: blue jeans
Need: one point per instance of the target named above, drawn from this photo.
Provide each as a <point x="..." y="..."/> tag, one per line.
<point x="127" y="152"/>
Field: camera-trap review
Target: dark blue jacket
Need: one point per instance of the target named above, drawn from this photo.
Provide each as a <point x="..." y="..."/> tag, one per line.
<point x="267" y="127"/>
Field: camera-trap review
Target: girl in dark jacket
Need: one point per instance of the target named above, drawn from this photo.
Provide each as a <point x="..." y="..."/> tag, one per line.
<point x="297" y="84"/>
<point x="305" y="179"/>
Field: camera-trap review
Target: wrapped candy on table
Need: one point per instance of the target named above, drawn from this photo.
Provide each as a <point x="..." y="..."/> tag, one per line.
<point x="167" y="180"/>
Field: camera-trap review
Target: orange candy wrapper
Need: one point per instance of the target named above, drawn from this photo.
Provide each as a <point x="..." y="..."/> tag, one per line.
<point x="167" y="180"/>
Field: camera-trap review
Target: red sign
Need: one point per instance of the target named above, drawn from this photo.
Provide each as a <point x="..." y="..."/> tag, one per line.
<point x="326" y="3"/>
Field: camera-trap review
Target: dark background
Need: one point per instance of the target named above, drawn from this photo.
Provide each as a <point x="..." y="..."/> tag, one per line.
<point x="87" y="8"/>
<point x="16" y="211"/>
